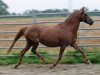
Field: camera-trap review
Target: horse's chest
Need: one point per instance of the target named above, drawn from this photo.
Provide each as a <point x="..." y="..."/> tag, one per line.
<point x="69" y="39"/>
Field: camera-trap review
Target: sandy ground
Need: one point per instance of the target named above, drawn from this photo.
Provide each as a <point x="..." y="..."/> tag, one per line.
<point x="43" y="69"/>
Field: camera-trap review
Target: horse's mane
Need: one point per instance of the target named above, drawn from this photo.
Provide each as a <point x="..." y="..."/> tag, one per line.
<point x="71" y="15"/>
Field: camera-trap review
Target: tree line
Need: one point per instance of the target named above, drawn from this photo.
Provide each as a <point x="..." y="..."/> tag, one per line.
<point x="45" y="11"/>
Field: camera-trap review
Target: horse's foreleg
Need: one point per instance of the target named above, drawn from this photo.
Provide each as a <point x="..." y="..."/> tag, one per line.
<point x="62" y="48"/>
<point x="22" y="54"/>
<point x="35" y="45"/>
<point x="81" y="51"/>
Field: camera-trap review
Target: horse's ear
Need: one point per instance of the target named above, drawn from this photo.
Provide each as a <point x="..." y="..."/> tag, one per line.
<point x="83" y="9"/>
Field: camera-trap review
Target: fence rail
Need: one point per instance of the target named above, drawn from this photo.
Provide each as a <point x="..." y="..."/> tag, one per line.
<point x="78" y="37"/>
<point x="11" y="24"/>
<point x="79" y="29"/>
<point x="37" y="14"/>
<point x="82" y="45"/>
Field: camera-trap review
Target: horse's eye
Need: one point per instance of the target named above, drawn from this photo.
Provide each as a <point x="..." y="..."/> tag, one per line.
<point x="85" y="14"/>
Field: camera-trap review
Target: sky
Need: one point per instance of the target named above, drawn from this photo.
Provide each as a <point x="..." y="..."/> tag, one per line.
<point x="19" y="6"/>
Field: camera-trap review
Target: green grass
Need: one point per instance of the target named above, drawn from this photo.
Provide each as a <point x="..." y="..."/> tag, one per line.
<point x="70" y="57"/>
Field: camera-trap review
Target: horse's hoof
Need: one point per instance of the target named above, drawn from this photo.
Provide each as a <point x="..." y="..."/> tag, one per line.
<point x="51" y="67"/>
<point x="16" y="66"/>
<point x="89" y="62"/>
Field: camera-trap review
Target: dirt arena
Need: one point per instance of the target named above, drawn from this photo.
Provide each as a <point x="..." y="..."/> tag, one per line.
<point x="43" y="69"/>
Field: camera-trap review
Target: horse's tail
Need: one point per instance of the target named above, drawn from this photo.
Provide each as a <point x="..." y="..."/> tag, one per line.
<point x="18" y="35"/>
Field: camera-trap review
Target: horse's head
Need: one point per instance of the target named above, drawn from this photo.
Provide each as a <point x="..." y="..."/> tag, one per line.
<point x="85" y="18"/>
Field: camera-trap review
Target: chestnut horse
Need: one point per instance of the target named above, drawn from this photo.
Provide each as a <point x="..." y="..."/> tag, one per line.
<point x="61" y="35"/>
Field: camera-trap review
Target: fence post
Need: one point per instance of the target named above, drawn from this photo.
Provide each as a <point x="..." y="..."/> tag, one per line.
<point x="34" y="18"/>
<point x="84" y="39"/>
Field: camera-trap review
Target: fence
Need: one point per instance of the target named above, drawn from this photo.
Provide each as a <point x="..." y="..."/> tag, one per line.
<point x="34" y="21"/>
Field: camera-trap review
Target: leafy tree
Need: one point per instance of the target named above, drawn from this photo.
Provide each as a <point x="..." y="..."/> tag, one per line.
<point x="45" y="11"/>
<point x="3" y="8"/>
<point x="48" y="11"/>
<point x="31" y="11"/>
<point x="57" y="10"/>
<point x="52" y="10"/>
<point x="96" y="10"/>
<point x="65" y="10"/>
<point x="13" y="13"/>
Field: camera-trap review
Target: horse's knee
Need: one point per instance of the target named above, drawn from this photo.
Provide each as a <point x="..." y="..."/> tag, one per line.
<point x="33" y="51"/>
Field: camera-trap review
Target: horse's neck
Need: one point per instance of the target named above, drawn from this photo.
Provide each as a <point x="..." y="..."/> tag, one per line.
<point x="72" y="24"/>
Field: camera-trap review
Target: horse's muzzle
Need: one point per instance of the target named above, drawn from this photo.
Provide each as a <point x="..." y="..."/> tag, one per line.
<point x="90" y="22"/>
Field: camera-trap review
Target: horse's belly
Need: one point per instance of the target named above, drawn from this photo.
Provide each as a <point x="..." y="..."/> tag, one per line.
<point x="50" y="43"/>
<point x="50" y="37"/>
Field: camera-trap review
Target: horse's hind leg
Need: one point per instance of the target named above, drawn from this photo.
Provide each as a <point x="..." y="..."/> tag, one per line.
<point x="81" y="51"/>
<point x="35" y="45"/>
<point x="28" y="45"/>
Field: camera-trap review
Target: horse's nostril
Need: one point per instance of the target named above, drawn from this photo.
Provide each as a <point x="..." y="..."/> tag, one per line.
<point x="92" y="21"/>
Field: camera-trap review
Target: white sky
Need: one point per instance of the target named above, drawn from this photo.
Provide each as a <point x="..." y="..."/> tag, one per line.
<point x="20" y="6"/>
